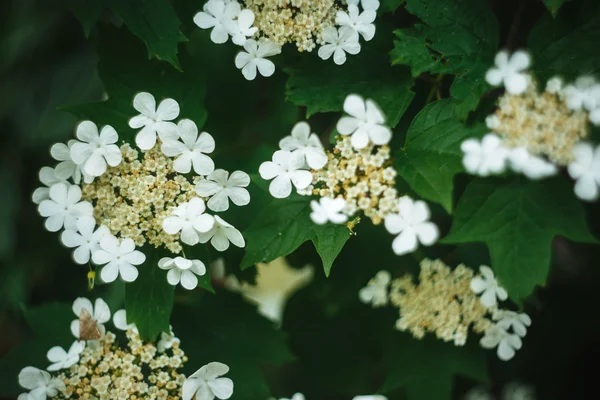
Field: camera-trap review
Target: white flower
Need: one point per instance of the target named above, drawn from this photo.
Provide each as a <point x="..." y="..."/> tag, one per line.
<point x="488" y="285"/>
<point x="360" y="22"/>
<point x="223" y="187"/>
<point x="221" y="234"/>
<point x="509" y="71"/>
<point x="189" y="219"/>
<point x="153" y="120"/>
<point x="370" y="397"/>
<point x="531" y="166"/>
<point x="255" y="58"/>
<point x="84" y="238"/>
<point x="366" y="4"/>
<point x="492" y="121"/>
<point x="192" y="151"/>
<point x="507" y="343"/>
<point x="518" y="391"/>
<point x="217" y="14"/>
<point x="241" y="29"/>
<point x="555" y="85"/>
<point x="206" y="383"/>
<point x="64" y="207"/>
<point x="120" y="321"/>
<point x="95" y="150"/>
<point x="412" y="224"/>
<point x="99" y="312"/>
<point x="365" y="123"/>
<point x="61" y="359"/>
<point x="595" y="116"/>
<point x="167" y="340"/>
<point x="518" y="321"/>
<point x="339" y="42"/>
<point x="484" y="157"/>
<point x="586" y="170"/>
<point x="182" y="270"/>
<point x="40" y="383"/>
<point x="306" y="143"/>
<point x="376" y="291"/>
<point x="584" y="93"/>
<point x="67" y="168"/>
<point x="120" y="256"/>
<point x="48" y="178"/>
<point x="285" y="168"/>
<point x="296" y="396"/>
<point x="328" y="209"/>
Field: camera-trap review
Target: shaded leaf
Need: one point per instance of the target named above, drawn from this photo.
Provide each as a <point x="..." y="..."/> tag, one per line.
<point x="88" y="12"/>
<point x="52" y="321"/>
<point x="554" y="5"/>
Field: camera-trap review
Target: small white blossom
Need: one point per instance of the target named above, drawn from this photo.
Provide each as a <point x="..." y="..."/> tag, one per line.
<point x="296" y="396"/>
<point x="510" y="71"/>
<point x="586" y="170"/>
<point x="510" y="319"/>
<point x="62" y="359"/>
<point x="95" y="150"/>
<point x="167" y="340"/>
<point x="533" y="167"/>
<point x="366" y="4"/>
<point x="360" y="22"/>
<point x="120" y="257"/>
<point x="370" y="397"/>
<point x="191" y="150"/>
<point x="286" y="169"/>
<point x="583" y="94"/>
<point x="507" y="343"/>
<point x="221" y="234"/>
<point x="120" y="321"/>
<point x="555" y="85"/>
<point x="64" y="207"/>
<point x="376" y="291"/>
<point x="241" y="28"/>
<point x="412" y="226"/>
<point x="223" y="187"/>
<point x="492" y="121"/>
<point x="487" y="284"/>
<point x="40" y="383"/>
<point x="85" y="239"/>
<point x="153" y="120"/>
<point x="48" y="178"/>
<point x="518" y="391"/>
<point x="254" y="58"/>
<point x="207" y="383"/>
<point x="99" y="312"/>
<point x="365" y="123"/>
<point x="328" y="209"/>
<point x="67" y="168"/>
<point x="484" y="157"/>
<point x="595" y="116"/>
<point x="303" y="141"/>
<point x="182" y="270"/>
<point x="217" y="14"/>
<point x="338" y="43"/>
<point x="189" y="219"/>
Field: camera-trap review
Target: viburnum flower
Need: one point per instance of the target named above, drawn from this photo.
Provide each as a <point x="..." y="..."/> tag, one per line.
<point x="484" y="157"/>
<point x="167" y="340"/>
<point x="84" y="238"/>
<point x="286" y="170"/>
<point x="221" y="234"/>
<point x="207" y="383"/>
<point x="48" y="178"/>
<point x="182" y="270"/>
<point x="360" y="22"/>
<point x="586" y="170"/>
<point x="192" y="151"/>
<point x="370" y="397"/>
<point x="519" y="322"/>
<point x="365" y="123"/>
<point x="507" y="343"/>
<point x="223" y="187"/>
<point x="241" y="28"/>
<point x="189" y="219"/>
<point x="64" y="207"/>
<point x="509" y="71"/>
<point x="328" y="209"/>
<point x="376" y="291"/>
<point x="366" y="4"/>
<point x="153" y="120"/>
<point x="583" y="94"/>
<point x="412" y="225"/>
<point x="488" y="285"/>
<point x="338" y="43"/>
<point x="99" y="312"/>
<point x="308" y="144"/>
<point x="62" y="359"/>
<point x="40" y="383"/>
<point x="67" y="168"/>
<point x="217" y="14"/>
<point x="531" y="166"/>
<point x="120" y="321"/>
<point x="296" y="396"/>
<point x="95" y="150"/>
<point x="120" y="257"/>
<point x="255" y="58"/>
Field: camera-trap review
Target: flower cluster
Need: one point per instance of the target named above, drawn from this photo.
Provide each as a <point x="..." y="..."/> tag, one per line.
<point x="445" y="303"/>
<point x="535" y="133"/>
<point x="121" y="198"/>
<point x="101" y="369"/>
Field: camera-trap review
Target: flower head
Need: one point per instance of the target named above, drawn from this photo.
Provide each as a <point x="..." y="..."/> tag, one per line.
<point x="167" y="340"/>
<point x="412" y="225"/>
<point x="328" y="209"/>
<point x="338" y="43"/>
<point x="120" y="321"/>
<point x="509" y="71"/>
<point x="221" y="188"/>
<point x="221" y="234"/>
<point x="519" y="322"/>
<point x="484" y="157"/>
<point x="365" y="123"/>
<point x="487" y="284"/>
<point x="120" y="257"/>
<point x="586" y="170"/>
<point x="153" y="120"/>
<point x="207" y="383"/>
<point x="189" y="219"/>
<point x="62" y="359"/>
<point x="531" y="166"/>
<point x="182" y="270"/>
<point x="191" y="150"/>
<point x="583" y="94"/>
<point x="218" y="14"/>
<point x="286" y="170"/>
<point x="85" y="239"/>
<point x="307" y="143"/>
<point x="67" y="168"/>
<point x="241" y="28"/>
<point x="376" y="291"/>
<point x="254" y="58"/>
<point x="360" y="22"/>
<point x="95" y="150"/>
<point x="40" y="383"/>
<point x="507" y="343"/>
<point x="48" y="178"/>
<point x="99" y="312"/>
<point x="64" y="207"/>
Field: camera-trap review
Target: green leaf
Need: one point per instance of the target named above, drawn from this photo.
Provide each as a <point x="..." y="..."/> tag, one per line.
<point x="156" y="23"/>
<point x="88" y="12"/>
<point x="431" y="155"/>
<point x="554" y="5"/>
<point x="283" y="225"/>
<point x="517" y="219"/>
<point x="457" y="37"/>
<point x="425" y="368"/>
<point x="52" y="321"/>
<point x="390" y="5"/>
<point x="323" y="86"/>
